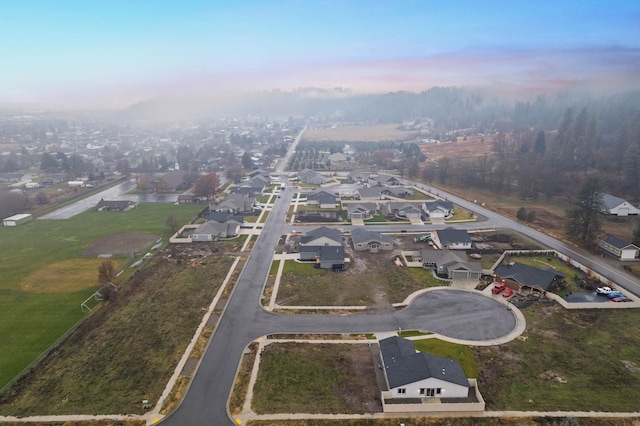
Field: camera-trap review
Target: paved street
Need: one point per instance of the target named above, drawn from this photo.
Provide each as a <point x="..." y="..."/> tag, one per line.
<point x="456" y="314"/>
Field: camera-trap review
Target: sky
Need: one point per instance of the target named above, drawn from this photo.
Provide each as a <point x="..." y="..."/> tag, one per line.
<point x="115" y="53"/>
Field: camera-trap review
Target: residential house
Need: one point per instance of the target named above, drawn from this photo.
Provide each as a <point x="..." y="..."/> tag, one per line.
<point x="187" y="199"/>
<point x="211" y="231"/>
<point x="236" y="203"/>
<point x="252" y="187"/>
<point x="397" y="191"/>
<point x="517" y="275"/>
<point x="617" y="206"/>
<point x="260" y="172"/>
<point x="312" y="243"/>
<point x="309" y="176"/>
<point x="383" y="180"/>
<point x="404" y="210"/>
<point x="452" y="239"/>
<point x="438" y="209"/>
<point x="358" y="177"/>
<point x="361" y="210"/>
<point x="451" y="265"/>
<point x="618" y="248"/>
<point x="321" y="198"/>
<point x="369" y="194"/>
<point x="369" y="240"/>
<point x="115" y="206"/>
<point x="330" y="257"/>
<point x="412" y="374"/>
<point x="222" y="216"/>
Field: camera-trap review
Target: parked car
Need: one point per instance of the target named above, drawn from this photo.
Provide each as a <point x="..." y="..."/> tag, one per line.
<point x="508" y="292"/>
<point x="498" y="288"/>
<point x="604" y="290"/>
<point x="621" y="299"/>
<point x="615" y="294"/>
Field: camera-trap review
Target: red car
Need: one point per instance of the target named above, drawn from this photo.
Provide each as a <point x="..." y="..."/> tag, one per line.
<point x="508" y="292"/>
<point x="497" y="288"/>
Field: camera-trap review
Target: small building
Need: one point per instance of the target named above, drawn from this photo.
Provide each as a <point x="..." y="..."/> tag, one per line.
<point x="187" y="199"/>
<point x="397" y="191"/>
<point x="369" y="240"/>
<point x="361" y="210"/>
<point x="383" y="180"/>
<point x="413" y="374"/>
<point x="17" y="219"/>
<point x="404" y="210"/>
<point x="617" y="206"/>
<point x="321" y="198"/>
<point x="309" y="176"/>
<point x="618" y="248"/>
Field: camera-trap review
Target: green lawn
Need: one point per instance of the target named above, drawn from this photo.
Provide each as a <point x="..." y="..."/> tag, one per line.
<point x="32" y="321"/>
<point x="460" y="353"/>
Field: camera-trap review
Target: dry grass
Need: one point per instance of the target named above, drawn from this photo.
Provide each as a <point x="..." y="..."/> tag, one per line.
<point x="355" y="133"/>
<point x="241" y="384"/>
<point x="471" y="148"/>
<point x="65" y="277"/>
<point x="451" y="421"/>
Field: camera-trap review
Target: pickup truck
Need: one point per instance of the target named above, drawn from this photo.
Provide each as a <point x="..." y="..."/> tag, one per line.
<point x="605" y="290"/>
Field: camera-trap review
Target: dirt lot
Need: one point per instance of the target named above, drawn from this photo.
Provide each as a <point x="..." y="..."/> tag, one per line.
<point x="344" y="379"/>
<point x="472" y="147"/>
<point x="122" y="244"/>
<point x="369" y="279"/>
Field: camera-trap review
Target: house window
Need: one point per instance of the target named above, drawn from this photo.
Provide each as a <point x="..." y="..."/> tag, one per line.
<point x="402" y="391"/>
<point x="429" y="392"/>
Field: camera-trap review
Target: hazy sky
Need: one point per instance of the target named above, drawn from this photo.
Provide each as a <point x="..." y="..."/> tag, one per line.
<point x="114" y="53"/>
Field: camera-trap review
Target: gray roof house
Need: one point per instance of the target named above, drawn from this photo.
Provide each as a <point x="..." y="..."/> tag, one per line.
<point x="368" y="194"/>
<point x="618" y="248"/>
<point x="236" y="203"/>
<point x="525" y="275"/>
<point x="404" y="209"/>
<point x="438" y="208"/>
<point x="383" y="180"/>
<point x="412" y="374"/>
<point x="311" y="177"/>
<point x="322" y="198"/>
<point x="361" y="210"/>
<point x="313" y="241"/>
<point x="358" y="176"/>
<point x="211" y="231"/>
<point x="451" y="265"/>
<point x="452" y="239"/>
<point x="397" y="191"/>
<point x="617" y="206"/>
<point x="369" y="240"/>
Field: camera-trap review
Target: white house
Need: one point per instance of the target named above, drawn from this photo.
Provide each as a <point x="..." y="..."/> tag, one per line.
<point x="617" y="206"/>
<point x="211" y="231"/>
<point x="452" y="239"/>
<point x="411" y="374"/>
<point x="618" y="248"/>
<point x="438" y="208"/>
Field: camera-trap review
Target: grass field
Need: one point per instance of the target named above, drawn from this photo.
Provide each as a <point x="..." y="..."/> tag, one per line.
<point x="127" y="350"/>
<point x="44" y="276"/>
<point x="582" y="360"/>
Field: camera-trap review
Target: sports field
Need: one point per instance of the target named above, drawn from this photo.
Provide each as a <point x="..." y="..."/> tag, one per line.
<point x="49" y="267"/>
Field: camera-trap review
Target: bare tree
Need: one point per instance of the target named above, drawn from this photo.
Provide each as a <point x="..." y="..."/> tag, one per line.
<point x="207" y="185"/>
<point x="172" y="223"/>
<point x="106" y="272"/>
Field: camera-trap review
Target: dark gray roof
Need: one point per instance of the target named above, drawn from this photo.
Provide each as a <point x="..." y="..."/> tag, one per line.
<point x="223" y="216"/>
<point x="333" y="254"/>
<point x="453" y="236"/>
<point x="322" y="196"/>
<point x="432" y="205"/>
<point x="404" y="365"/>
<point x="617" y="242"/>
<point x="320" y="232"/>
<point x="528" y="275"/>
<point x="449" y="259"/>
<point x="610" y="201"/>
<point x="361" y="235"/>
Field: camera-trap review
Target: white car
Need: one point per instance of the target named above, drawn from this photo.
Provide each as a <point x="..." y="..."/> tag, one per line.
<point x="604" y="290"/>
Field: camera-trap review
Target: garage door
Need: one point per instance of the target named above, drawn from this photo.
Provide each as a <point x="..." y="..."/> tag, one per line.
<point x="460" y="274"/>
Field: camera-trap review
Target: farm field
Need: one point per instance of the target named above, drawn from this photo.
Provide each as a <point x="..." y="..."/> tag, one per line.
<point x="474" y="146"/>
<point x="49" y="267"/>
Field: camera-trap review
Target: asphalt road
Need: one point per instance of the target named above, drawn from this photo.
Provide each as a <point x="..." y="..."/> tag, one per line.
<point x="451" y="313"/>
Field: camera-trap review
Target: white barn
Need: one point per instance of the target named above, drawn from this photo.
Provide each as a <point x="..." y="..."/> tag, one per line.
<point x="617" y="206"/>
<point x="17" y="219"/>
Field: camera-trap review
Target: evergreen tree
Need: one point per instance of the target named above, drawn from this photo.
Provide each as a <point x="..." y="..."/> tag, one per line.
<point x="584" y="219"/>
